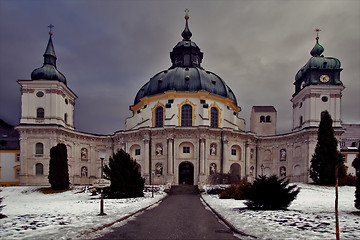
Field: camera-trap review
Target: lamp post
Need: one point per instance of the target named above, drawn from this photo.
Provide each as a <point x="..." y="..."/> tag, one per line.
<point x="152" y="184"/>
<point x="102" y="156"/>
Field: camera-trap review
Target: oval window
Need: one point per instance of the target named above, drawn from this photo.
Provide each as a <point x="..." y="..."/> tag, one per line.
<point x="40" y="94"/>
<point x="324" y="99"/>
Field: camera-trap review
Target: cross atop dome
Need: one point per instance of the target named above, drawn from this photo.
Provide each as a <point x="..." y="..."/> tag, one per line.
<point x="51" y="27"/>
<point x="186" y="34"/>
<point x="186" y="14"/>
<point x="317" y="33"/>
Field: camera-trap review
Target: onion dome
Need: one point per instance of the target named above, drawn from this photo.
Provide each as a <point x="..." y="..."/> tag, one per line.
<point x="318" y="61"/>
<point x="186" y="73"/>
<point x="48" y="71"/>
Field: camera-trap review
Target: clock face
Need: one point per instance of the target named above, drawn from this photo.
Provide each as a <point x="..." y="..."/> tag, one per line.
<point x="324" y="78"/>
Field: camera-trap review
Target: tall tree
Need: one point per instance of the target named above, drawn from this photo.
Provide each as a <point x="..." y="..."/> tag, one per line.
<point x="58" y="170"/>
<point x="125" y="177"/>
<point x="326" y="156"/>
<point x="356" y="165"/>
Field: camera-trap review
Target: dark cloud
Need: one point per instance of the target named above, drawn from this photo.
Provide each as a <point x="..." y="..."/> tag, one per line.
<point x="108" y="49"/>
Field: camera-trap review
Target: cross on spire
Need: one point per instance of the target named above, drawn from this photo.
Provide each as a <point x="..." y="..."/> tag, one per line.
<point x="51" y="27"/>
<point x="317" y="33"/>
<point x="186" y="14"/>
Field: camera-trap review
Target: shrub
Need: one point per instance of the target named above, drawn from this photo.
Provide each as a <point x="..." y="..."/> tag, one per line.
<point x="228" y="192"/>
<point x="271" y="193"/>
<point x="238" y="192"/>
<point x="348" y="180"/>
<point x="58" y="169"/>
<point x="126" y="180"/>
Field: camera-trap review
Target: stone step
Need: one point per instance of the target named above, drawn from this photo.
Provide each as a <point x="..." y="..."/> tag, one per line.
<point x="184" y="189"/>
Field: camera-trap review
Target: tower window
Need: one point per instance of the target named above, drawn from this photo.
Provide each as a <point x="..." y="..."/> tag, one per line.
<point x="159" y="117"/>
<point x="40" y="113"/>
<point x="186" y="115"/>
<point x="65" y="117"/>
<point x="40" y="94"/>
<point x="39" y="169"/>
<point x="262" y="118"/>
<point x="214" y="117"/>
<point x="39" y="149"/>
<point x="268" y="119"/>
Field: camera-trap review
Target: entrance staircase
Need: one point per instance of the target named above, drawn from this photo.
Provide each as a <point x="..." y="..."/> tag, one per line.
<point x="184" y="189"/>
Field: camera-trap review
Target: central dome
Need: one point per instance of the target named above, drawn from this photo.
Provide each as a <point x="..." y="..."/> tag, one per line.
<point x="186" y="73"/>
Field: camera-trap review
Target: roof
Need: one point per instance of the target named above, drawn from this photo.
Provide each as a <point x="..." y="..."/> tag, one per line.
<point x="186" y="73"/>
<point x="263" y="109"/>
<point x="48" y="71"/>
<point x="9" y="137"/>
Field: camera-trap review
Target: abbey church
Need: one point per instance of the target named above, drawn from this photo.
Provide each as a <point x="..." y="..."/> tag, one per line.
<point x="184" y="125"/>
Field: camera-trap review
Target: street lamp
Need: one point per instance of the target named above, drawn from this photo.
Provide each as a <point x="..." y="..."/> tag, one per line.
<point x="102" y="156"/>
<point x="152" y="184"/>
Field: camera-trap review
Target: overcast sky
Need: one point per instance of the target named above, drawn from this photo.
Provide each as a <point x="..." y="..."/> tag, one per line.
<point x="108" y="49"/>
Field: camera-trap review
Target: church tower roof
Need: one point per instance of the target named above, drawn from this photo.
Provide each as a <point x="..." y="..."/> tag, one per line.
<point x="49" y="71"/>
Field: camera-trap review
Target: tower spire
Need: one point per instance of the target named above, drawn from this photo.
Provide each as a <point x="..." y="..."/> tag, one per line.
<point x="317" y="49"/>
<point x="186" y="34"/>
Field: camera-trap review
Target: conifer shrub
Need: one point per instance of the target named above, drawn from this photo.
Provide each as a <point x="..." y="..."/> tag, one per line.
<point x="125" y="177"/>
<point x="58" y="169"/>
<point x="326" y="156"/>
<point x="271" y="193"/>
<point x="356" y="165"/>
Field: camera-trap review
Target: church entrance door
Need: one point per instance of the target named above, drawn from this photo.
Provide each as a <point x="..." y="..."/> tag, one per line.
<point x="186" y="173"/>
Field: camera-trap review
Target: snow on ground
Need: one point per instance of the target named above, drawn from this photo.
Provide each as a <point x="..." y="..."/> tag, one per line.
<point x="69" y="215"/>
<point x="310" y="216"/>
<point x="74" y="214"/>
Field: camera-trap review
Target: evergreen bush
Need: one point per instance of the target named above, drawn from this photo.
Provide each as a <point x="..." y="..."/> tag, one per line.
<point x="356" y="165"/>
<point x="58" y="169"/>
<point x="271" y="193"/>
<point x="125" y="177"/>
<point x="326" y="156"/>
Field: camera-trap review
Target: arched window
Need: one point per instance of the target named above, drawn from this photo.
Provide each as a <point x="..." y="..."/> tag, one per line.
<point x="262" y="118"/>
<point x="65" y="117"/>
<point x="301" y="120"/>
<point x="40" y="113"/>
<point x="39" y="149"/>
<point x="214" y="117"/>
<point x="39" y="169"/>
<point x="159" y="117"/>
<point x="268" y="119"/>
<point x="186" y="115"/>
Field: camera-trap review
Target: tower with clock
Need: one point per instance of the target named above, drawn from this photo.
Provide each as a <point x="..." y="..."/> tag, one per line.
<point x="317" y="89"/>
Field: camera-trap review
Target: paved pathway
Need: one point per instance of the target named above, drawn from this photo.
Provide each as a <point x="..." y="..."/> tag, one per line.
<point x="179" y="216"/>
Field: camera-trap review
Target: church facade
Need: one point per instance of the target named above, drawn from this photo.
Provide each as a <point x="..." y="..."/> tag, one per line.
<point x="184" y="125"/>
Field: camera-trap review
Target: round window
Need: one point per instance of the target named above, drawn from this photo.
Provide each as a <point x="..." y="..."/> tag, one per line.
<point x="40" y="94"/>
<point x="324" y="99"/>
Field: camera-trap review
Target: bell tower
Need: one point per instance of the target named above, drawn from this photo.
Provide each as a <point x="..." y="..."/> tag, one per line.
<point x="46" y="98"/>
<point x="317" y="89"/>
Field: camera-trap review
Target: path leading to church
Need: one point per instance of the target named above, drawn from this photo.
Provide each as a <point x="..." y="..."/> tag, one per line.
<point x="179" y="216"/>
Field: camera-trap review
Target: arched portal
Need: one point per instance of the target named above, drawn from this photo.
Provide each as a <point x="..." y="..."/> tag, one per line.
<point x="186" y="173"/>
